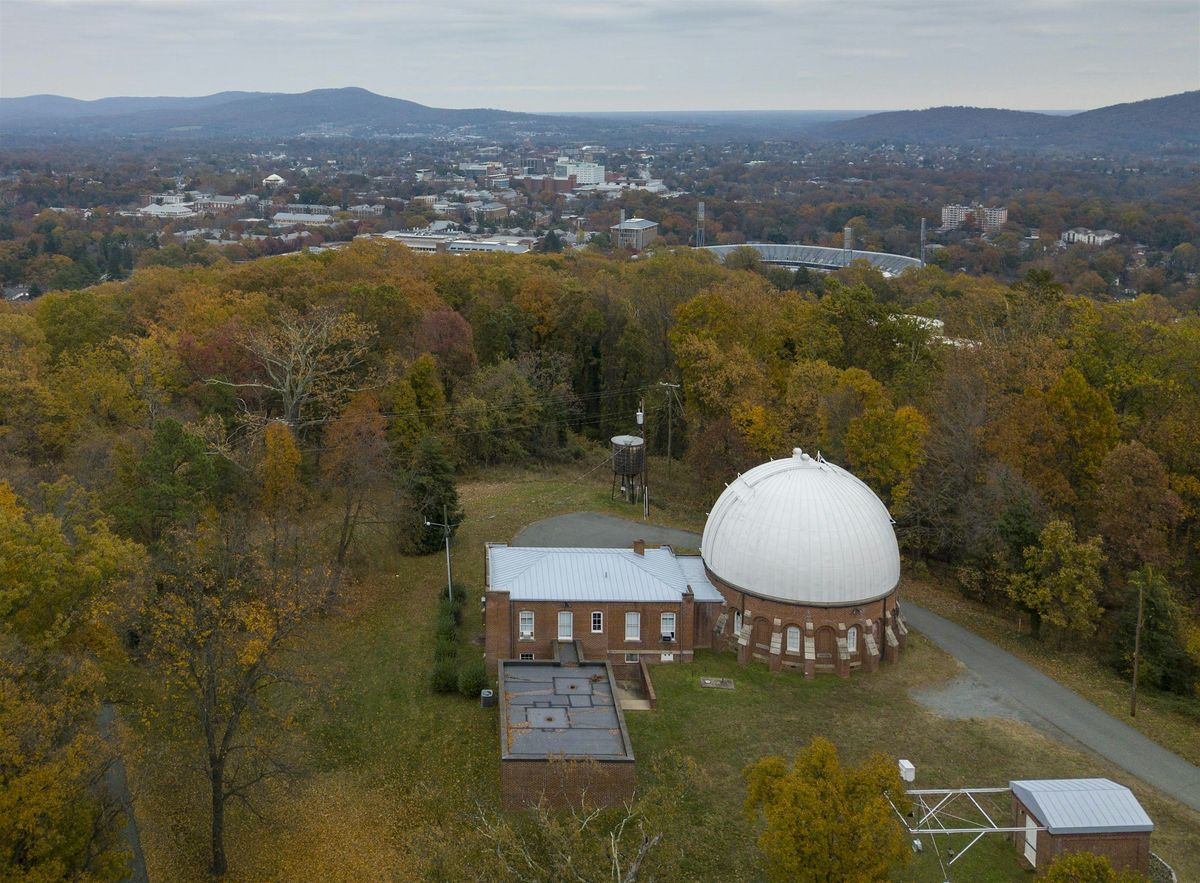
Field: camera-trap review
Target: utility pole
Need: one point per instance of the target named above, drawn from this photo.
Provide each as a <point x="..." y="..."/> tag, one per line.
<point x="641" y="419"/>
<point x="447" y="528"/>
<point x="1137" y="641"/>
<point x="671" y="387"/>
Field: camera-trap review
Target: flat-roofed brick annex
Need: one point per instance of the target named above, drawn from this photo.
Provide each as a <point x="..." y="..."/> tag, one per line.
<point x="550" y="709"/>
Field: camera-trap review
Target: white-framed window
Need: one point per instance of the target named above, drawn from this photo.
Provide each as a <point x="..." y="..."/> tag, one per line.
<point x="633" y="626"/>
<point x="852" y="639"/>
<point x="597" y="622"/>
<point x="525" y="625"/>
<point x="737" y="622"/>
<point x="793" y="639"/>
<point x="526" y="657"/>
<point x="566" y="625"/>
<point x="632" y="658"/>
<point x="666" y="623"/>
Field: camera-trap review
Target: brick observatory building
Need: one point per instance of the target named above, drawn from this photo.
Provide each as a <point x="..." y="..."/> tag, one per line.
<point x="799" y="569"/>
<point x="805" y="556"/>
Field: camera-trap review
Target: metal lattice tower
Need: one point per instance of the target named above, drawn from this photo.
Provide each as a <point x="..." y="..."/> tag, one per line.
<point x="922" y="242"/>
<point x="700" y="225"/>
<point x="847" y="245"/>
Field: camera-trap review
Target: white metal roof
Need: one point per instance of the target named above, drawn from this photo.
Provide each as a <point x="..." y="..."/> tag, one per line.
<point x="805" y="531"/>
<point x="1082" y="806"/>
<point x="570" y="574"/>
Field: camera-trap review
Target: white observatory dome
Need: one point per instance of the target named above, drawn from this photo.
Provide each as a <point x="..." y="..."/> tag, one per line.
<point x="802" y="531"/>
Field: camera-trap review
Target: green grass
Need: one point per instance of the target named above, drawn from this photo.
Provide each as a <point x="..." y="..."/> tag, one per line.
<point x="395" y="771"/>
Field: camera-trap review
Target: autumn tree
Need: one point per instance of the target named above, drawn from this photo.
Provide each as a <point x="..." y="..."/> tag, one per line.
<point x="57" y="819"/>
<point x="355" y="457"/>
<point x="1060" y="581"/>
<point x="280" y="490"/>
<point x="825" y="823"/>
<point x="1137" y="507"/>
<point x="221" y="628"/>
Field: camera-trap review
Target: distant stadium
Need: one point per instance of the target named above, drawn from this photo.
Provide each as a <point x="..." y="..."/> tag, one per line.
<point x="818" y="257"/>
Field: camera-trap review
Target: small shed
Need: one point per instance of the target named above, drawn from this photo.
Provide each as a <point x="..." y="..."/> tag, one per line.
<point x="1080" y="815"/>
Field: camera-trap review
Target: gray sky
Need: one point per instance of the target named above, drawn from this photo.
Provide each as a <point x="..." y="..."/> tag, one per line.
<point x="614" y="54"/>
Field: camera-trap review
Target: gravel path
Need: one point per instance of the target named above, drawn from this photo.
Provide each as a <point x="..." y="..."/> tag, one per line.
<point x="998" y="684"/>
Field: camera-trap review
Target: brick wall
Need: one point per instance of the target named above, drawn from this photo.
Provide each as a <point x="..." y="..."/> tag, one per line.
<point x="829" y="632"/>
<point x="562" y="782"/>
<point x="503" y="641"/>
<point x="1124" y="850"/>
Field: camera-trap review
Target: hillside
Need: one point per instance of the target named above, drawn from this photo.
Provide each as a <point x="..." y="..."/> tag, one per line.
<point x="234" y="114"/>
<point x="1172" y="122"/>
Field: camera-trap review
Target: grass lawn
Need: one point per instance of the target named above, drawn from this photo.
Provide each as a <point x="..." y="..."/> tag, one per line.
<point x="393" y="771"/>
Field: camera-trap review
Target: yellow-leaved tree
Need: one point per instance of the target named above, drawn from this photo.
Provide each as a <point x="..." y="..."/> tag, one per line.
<point x="826" y="823"/>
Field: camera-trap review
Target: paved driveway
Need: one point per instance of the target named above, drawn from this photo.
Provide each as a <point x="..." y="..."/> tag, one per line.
<point x="1045" y="700"/>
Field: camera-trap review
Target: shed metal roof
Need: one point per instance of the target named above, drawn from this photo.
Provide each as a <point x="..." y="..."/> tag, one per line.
<point x="1082" y="806"/>
<point x="572" y="574"/>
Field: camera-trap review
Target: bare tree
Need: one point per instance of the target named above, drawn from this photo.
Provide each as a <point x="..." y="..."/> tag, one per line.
<point x="307" y="363"/>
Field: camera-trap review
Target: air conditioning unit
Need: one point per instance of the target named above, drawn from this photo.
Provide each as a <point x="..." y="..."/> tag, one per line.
<point x="668" y="639"/>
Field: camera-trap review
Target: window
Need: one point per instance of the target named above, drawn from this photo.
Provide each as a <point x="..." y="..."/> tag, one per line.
<point x="737" y="622"/>
<point x="852" y="639"/>
<point x="667" y="625"/>
<point x="597" y="622"/>
<point x="633" y="626"/>
<point x="566" y="630"/>
<point x="793" y="639"/>
<point x="525" y="624"/>
<point x="526" y="657"/>
<point x="632" y="658"/>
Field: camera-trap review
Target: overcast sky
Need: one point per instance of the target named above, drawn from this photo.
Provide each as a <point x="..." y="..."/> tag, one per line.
<point x="614" y="54"/>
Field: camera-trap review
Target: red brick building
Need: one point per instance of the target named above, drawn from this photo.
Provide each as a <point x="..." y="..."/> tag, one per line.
<point x="1080" y="815"/>
<point x="799" y="567"/>
<point x="620" y="605"/>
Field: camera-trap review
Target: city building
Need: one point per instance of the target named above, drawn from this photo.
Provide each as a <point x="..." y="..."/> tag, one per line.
<point x="273" y="181"/>
<point x="582" y="172"/>
<point x="1084" y="236"/>
<point x="634" y="233"/>
<point x="989" y="219"/>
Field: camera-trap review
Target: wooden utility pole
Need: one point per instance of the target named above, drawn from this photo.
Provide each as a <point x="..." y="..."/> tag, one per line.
<point x="1137" y="640"/>
<point x="671" y="387"/>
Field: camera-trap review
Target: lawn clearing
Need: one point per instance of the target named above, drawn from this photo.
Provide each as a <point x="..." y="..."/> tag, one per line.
<point x="394" y="771"/>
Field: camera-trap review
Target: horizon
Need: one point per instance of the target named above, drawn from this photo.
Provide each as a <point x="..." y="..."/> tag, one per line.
<point x="650" y="57"/>
<point x="1051" y="111"/>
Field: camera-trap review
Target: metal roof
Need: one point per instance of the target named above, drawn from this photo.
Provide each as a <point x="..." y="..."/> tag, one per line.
<point x="548" y="709"/>
<point x="572" y="574"/>
<point x="804" y="531"/>
<point x="1082" y="806"/>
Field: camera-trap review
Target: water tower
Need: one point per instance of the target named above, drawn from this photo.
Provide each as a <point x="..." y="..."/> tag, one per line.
<point x="628" y="465"/>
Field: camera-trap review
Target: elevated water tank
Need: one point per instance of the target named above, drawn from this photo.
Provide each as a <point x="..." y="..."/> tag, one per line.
<point x="628" y="454"/>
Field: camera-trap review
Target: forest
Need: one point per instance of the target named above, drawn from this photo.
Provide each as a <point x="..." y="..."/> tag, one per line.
<point x="165" y="441"/>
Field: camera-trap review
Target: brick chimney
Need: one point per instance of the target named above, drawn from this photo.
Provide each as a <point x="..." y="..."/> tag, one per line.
<point x="639" y="546"/>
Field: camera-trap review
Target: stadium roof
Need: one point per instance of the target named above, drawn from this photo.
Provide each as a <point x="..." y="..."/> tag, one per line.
<point x="819" y="257"/>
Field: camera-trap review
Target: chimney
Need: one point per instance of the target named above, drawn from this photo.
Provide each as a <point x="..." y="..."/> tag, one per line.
<point x="639" y="546"/>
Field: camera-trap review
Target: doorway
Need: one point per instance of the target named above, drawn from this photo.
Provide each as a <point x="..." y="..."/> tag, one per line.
<point x="565" y="631"/>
